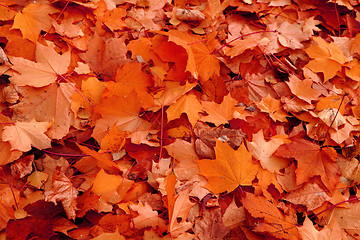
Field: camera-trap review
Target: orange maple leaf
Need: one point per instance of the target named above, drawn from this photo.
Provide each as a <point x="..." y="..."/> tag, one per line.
<point x="263" y="150"/>
<point x="32" y="19"/>
<point x="105" y="56"/>
<point x="47" y="68"/>
<point x="111" y="188"/>
<point x="147" y="217"/>
<point x="23" y="135"/>
<point x="47" y="104"/>
<point x="312" y="161"/>
<point x="184" y="154"/>
<point x="275" y="222"/>
<point x="219" y="113"/>
<point x="188" y="104"/>
<point x="273" y="107"/>
<point x="327" y="58"/>
<point x="201" y="62"/>
<point x="102" y="160"/>
<point x="303" y="88"/>
<point x="122" y="111"/>
<point x="230" y="169"/>
<point x="82" y="102"/>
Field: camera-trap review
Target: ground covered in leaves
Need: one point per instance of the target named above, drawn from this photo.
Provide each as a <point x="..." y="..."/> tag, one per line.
<point x="198" y="119"/>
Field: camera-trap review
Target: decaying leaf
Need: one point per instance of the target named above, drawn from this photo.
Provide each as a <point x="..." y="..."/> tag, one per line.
<point x="62" y="190"/>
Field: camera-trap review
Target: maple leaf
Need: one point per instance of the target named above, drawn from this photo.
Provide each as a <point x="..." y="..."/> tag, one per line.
<point x="9" y="198"/>
<point x="332" y="118"/>
<point x="182" y="206"/>
<point x="230" y="169"/>
<point x="201" y="62"/>
<point x="303" y="88"/>
<point x="172" y="92"/>
<point x="210" y="225"/>
<point x="170" y="192"/>
<point x="263" y="150"/>
<point x="327" y="58"/>
<point x="110" y="16"/>
<point x="114" y="140"/>
<point x="32" y="19"/>
<point x="147" y="217"/>
<point x="142" y="48"/>
<point x="23" y="135"/>
<point x="111" y="188"/>
<point x="308" y="231"/>
<point x="273" y="107"/>
<point x="82" y="102"/>
<point x="310" y="195"/>
<point x="185" y="156"/>
<point x="7" y="155"/>
<point x="102" y="160"/>
<point x="275" y="222"/>
<point x="63" y="190"/>
<point x="37" y="179"/>
<point x="347" y="217"/>
<point x="186" y="104"/>
<point x="47" y="104"/>
<point x="312" y="161"/>
<point x="46" y="70"/>
<point x="110" y="236"/>
<point x="30" y="226"/>
<point x="219" y="113"/>
<point x="130" y="77"/>
<point x="105" y="56"/>
<point x="22" y="167"/>
<point x="233" y="215"/>
<point x="291" y="35"/>
<point x="122" y="111"/>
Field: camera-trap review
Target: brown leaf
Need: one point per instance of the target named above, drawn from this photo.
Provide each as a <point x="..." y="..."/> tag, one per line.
<point x="63" y="190"/>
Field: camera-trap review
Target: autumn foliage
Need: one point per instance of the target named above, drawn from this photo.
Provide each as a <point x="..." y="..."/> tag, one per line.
<point x="199" y="119"/>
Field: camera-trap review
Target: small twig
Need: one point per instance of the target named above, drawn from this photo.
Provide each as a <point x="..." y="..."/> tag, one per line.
<point x="11" y="188"/>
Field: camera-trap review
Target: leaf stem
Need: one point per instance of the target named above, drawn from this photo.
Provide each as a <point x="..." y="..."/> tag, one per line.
<point x="242" y="36"/>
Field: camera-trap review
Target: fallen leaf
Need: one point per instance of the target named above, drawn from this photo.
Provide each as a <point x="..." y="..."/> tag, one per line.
<point x="185" y="156"/>
<point x="102" y="160"/>
<point x="263" y="150"/>
<point x="63" y="190"/>
<point x="49" y="66"/>
<point x="303" y="88"/>
<point x="48" y="104"/>
<point x="178" y="221"/>
<point x="219" y="113"/>
<point x="309" y="195"/>
<point x="147" y="217"/>
<point x="274" y="221"/>
<point x="291" y="35"/>
<point x="230" y="169"/>
<point x="23" y="135"/>
<point x="233" y="215"/>
<point x="308" y="232"/>
<point x="108" y="186"/>
<point x="33" y="19"/>
<point x="105" y="56"/>
<point x="186" y="104"/>
<point x="312" y="161"/>
<point x="327" y="58"/>
<point x="273" y="107"/>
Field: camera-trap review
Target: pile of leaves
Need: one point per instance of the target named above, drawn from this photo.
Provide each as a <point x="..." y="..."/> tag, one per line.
<point x="198" y="119"/>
